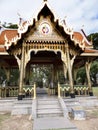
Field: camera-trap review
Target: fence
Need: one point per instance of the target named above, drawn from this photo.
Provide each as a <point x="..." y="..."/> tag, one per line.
<point x="64" y="90"/>
<point x="12" y="91"/>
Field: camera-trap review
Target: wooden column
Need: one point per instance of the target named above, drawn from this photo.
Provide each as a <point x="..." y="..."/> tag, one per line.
<point x="55" y="68"/>
<point x="69" y="67"/>
<point x="65" y="70"/>
<point x="27" y="74"/>
<point x="20" y="95"/>
<point x="87" y="66"/>
<point x="75" y="75"/>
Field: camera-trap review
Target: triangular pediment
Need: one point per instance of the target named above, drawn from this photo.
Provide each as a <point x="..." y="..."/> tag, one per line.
<point x="45" y="30"/>
<point x="45" y="27"/>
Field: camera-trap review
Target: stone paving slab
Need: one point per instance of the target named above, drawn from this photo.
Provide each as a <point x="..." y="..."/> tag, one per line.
<point x="53" y="123"/>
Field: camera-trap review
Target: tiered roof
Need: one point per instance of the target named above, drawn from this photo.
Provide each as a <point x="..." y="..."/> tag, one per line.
<point x="11" y="36"/>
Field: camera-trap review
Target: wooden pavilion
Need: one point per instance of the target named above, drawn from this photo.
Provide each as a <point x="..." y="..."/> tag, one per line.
<point x="45" y="40"/>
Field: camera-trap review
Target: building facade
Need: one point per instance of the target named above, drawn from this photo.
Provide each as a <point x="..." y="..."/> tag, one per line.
<point x="45" y="40"/>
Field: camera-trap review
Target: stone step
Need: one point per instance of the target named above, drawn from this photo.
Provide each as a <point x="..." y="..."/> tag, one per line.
<point x="49" y="115"/>
<point x="48" y="111"/>
<point x="47" y="99"/>
<point x="47" y="102"/>
<point x="22" y="106"/>
<point x="51" y="106"/>
<point x="48" y="107"/>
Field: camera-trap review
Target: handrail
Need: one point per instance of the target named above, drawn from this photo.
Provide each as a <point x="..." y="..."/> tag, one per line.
<point x="59" y="94"/>
<point x="34" y="91"/>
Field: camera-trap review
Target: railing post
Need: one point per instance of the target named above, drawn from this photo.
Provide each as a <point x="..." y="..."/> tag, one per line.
<point x="59" y="91"/>
<point x="0" y="92"/>
<point x="34" y="97"/>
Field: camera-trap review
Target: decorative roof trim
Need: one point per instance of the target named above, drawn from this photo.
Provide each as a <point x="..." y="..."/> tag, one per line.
<point x="89" y="54"/>
<point x="85" y="38"/>
<point x="23" y="28"/>
<point x="71" y="33"/>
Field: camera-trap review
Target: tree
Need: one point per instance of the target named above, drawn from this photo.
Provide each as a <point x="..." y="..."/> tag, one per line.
<point x="2" y="75"/>
<point x="81" y="76"/>
<point x="40" y="74"/>
<point x="94" y="38"/>
<point x="10" y="25"/>
<point x="94" y="72"/>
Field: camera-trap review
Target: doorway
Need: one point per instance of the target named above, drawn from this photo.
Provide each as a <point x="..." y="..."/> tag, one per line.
<point x="44" y="68"/>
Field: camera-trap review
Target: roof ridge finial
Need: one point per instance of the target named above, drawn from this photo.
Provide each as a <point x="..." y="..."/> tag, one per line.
<point x="45" y="0"/>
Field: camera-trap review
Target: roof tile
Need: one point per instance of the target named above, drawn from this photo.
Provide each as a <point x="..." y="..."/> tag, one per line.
<point x="9" y="34"/>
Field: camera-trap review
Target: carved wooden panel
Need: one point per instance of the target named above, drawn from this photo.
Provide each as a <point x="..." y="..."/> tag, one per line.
<point x="45" y="30"/>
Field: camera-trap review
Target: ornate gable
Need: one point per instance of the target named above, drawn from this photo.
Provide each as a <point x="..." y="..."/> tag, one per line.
<point x="45" y="30"/>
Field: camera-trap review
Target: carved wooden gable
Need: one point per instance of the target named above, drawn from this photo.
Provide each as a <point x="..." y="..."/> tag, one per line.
<point x="45" y="30"/>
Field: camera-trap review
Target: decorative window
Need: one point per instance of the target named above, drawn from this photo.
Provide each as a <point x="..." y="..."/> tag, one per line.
<point x="45" y="28"/>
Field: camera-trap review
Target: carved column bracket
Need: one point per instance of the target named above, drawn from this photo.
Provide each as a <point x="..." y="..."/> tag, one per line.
<point x="18" y="60"/>
<point x="20" y="95"/>
<point x="69" y="65"/>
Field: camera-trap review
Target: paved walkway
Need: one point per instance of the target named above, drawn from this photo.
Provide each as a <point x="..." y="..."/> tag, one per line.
<point x="46" y="112"/>
<point x="53" y="123"/>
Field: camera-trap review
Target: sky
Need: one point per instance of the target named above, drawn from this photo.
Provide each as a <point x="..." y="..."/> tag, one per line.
<point x="79" y="14"/>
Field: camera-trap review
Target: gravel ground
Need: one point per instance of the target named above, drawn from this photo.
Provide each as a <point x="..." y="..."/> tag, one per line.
<point x="8" y="122"/>
<point x="24" y="122"/>
<point x="91" y="122"/>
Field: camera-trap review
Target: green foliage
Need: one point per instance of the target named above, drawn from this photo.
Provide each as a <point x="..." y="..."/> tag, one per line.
<point x="95" y="91"/>
<point x="10" y="25"/>
<point x="14" y="76"/>
<point x="13" y="26"/>
<point x="2" y="75"/>
<point x="81" y="76"/>
<point x="4" y="116"/>
<point x="94" y="38"/>
<point x="94" y="71"/>
<point x="40" y="74"/>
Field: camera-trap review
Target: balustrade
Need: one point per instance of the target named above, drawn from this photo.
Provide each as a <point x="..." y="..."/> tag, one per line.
<point x="9" y="91"/>
<point x="28" y="90"/>
<point x="64" y="90"/>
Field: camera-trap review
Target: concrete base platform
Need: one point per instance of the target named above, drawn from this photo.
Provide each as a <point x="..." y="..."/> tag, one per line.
<point x="53" y="123"/>
<point x="22" y="107"/>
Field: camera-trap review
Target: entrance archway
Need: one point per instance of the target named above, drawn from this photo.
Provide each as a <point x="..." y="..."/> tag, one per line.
<point x="43" y="68"/>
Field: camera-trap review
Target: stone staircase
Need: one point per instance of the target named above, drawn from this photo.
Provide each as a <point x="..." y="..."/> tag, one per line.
<point x="51" y="114"/>
<point x="48" y="107"/>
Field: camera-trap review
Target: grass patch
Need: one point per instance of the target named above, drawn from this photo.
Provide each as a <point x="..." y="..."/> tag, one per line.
<point x="95" y="91"/>
<point x="92" y="114"/>
<point x="4" y="117"/>
<point x="95" y="113"/>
